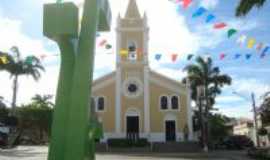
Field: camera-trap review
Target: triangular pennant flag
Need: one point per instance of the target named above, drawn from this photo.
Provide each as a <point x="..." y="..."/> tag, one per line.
<point x="43" y="56"/>
<point x="265" y="50"/>
<point x="200" y="11"/>
<point x="251" y="43"/>
<point x="123" y="52"/>
<point x="174" y="57"/>
<point x="237" y="56"/>
<point x="4" y="60"/>
<point x="186" y="3"/>
<point x="190" y="56"/>
<point x="241" y="40"/>
<point x="231" y="32"/>
<point x="210" y="18"/>
<point x="108" y="46"/>
<point x="102" y="43"/>
<point x="259" y="47"/>
<point x="263" y="55"/>
<point x="222" y="56"/>
<point x="158" y="57"/>
<point x="140" y="51"/>
<point x="248" y="56"/>
<point x="29" y="60"/>
<point x="220" y="25"/>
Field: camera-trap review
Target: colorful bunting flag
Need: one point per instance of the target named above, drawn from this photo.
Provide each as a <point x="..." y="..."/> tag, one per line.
<point x="29" y="60"/>
<point x="102" y="43"/>
<point x="210" y="18"/>
<point x="231" y="32"/>
<point x="190" y="56"/>
<point x="108" y="46"/>
<point x="4" y="60"/>
<point x="248" y="56"/>
<point x="200" y="11"/>
<point x="43" y="56"/>
<point x="123" y="52"/>
<point x="251" y="43"/>
<point x="237" y="56"/>
<point x="259" y="47"/>
<point x="220" y="25"/>
<point x="186" y="3"/>
<point x="158" y="57"/>
<point x="222" y="56"/>
<point x="265" y="50"/>
<point x="241" y="40"/>
<point x="174" y="57"/>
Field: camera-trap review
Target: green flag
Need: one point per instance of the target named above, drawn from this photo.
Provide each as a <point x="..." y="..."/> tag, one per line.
<point x="231" y="32"/>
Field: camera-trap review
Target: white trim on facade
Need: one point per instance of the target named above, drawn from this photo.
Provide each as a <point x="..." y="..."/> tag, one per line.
<point x="189" y="113"/>
<point x="118" y="101"/>
<point x="146" y="102"/>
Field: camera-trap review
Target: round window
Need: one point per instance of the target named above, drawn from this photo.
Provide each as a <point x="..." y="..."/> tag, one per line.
<point x="132" y="88"/>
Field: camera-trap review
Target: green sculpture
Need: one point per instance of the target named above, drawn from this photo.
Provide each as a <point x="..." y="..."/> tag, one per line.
<point x="73" y="130"/>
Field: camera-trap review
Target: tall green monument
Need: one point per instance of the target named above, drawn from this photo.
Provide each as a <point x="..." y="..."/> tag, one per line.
<point x="73" y="129"/>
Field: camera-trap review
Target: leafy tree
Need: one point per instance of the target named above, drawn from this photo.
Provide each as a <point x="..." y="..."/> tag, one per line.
<point x="203" y="73"/>
<point x="37" y="115"/>
<point x="245" y="6"/>
<point x="265" y="109"/>
<point x="17" y="66"/>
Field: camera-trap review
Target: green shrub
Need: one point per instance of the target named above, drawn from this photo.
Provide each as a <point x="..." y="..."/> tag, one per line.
<point x="126" y="143"/>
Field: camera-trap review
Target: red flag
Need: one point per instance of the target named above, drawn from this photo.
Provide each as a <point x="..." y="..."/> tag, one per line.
<point x="102" y="43"/>
<point x="220" y="25"/>
<point x="259" y="47"/>
<point x="186" y="3"/>
<point x="174" y="57"/>
<point x="222" y="56"/>
<point x="43" y="56"/>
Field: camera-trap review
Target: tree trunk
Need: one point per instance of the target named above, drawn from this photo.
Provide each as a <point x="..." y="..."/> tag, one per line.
<point x="14" y="96"/>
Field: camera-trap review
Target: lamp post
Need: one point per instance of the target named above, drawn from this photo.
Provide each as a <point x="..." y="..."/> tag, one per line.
<point x="255" y="122"/>
<point x="202" y="102"/>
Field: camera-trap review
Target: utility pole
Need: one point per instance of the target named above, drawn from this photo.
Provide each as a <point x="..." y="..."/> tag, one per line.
<point x="255" y="119"/>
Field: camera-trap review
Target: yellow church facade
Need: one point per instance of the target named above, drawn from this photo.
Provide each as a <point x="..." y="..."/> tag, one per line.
<point x="135" y="101"/>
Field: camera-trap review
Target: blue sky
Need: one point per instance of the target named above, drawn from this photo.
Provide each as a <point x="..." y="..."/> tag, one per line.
<point x="173" y="31"/>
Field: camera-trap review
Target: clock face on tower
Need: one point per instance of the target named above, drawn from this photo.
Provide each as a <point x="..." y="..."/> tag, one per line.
<point x="132" y="88"/>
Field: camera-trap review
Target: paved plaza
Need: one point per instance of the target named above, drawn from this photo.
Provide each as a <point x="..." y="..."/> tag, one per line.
<point x="40" y="153"/>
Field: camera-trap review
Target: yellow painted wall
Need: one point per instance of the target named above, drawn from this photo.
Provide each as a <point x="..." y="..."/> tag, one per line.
<point x="108" y="116"/>
<point x="157" y="116"/>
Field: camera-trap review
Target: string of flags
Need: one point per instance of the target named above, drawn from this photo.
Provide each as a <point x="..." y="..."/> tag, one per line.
<point x="242" y="40"/>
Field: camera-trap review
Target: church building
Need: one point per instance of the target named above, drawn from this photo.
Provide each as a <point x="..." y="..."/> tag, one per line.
<point x="135" y="101"/>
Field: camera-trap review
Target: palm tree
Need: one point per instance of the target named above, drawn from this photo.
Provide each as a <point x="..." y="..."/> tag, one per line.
<point x="17" y="66"/>
<point x="42" y="101"/>
<point x="203" y="73"/>
<point x="245" y="6"/>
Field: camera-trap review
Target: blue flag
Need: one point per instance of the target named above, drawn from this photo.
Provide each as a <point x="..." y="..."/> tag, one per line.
<point x="200" y="11"/>
<point x="265" y="50"/>
<point x="158" y="57"/>
<point x="237" y="56"/>
<point x="210" y="18"/>
<point x="248" y="56"/>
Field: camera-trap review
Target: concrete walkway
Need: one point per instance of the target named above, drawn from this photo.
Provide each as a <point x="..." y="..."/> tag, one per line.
<point x="40" y="153"/>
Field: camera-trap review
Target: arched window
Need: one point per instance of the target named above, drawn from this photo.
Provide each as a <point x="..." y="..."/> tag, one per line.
<point x="100" y="104"/>
<point x="163" y="102"/>
<point x="132" y="54"/>
<point x="175" y="102"/>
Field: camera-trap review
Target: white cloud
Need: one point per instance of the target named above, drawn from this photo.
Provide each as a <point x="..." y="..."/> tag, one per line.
<point x="230" y="99"/>
<point x="209" y="4"/>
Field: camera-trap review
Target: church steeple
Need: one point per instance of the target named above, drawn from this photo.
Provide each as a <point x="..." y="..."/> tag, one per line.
<point x="132" y="10"/>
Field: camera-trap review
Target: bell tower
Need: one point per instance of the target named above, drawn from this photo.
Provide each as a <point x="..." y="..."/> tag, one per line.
<point x="132" y="69"/>
<point x="132" y="36"/>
